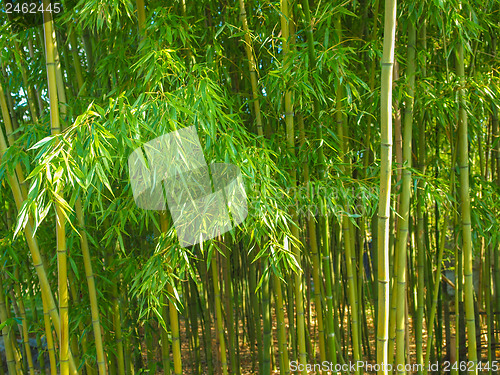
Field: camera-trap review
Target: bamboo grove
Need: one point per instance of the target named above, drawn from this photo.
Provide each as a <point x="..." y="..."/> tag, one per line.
<point x="368" y="139"/>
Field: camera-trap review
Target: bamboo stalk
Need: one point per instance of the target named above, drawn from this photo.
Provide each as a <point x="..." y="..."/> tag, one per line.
<point x="266" y="318"/>
<point x="206" y="318"/>
<point x="286" y="17"/>
<point x="463" y="160"/>
<point x="280" y="318"/>
<point x="218" y="313"/>
<point x="60" y="219"/>
<point x="402" y="239"/>
<point x="94" y="308"/>
<point x="385" y="184"/>
<point x="17" y="192"/>
<point x="41" y="350"/>
<point x="141" y="14"/>
<point x="117" y="325"/>
<point x="6" y="332"/>
<point x="165" y="345"/>
<point x="174" y="317"/>
<point x="22" y="310"/>
<point x="330" y="329"/>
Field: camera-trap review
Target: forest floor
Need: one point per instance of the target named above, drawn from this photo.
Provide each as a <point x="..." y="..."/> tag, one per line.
<point x="248" y="366"/>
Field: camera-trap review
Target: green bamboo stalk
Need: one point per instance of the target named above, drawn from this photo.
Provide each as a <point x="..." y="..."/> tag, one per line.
<point x="193" y="317"/>
<point x="228" y="296"/>
<point x="367" y="153"/>
<point x="174" y="329"/>
<point x="218" y="314"/>
<point x="495" y="169"/>
<point x="489" y="316"/>
<point x="149" y="338"/>
<point x="29" y="88"/>
<point x="10" y="101"/>
<point x="347" y="227"/>
<point x="41" y="350"/>
<point x="313" y="243"/>
<point x="22" y="310"/>
<point x="174" y="317"/>
<point x="18" y="352"/>
<point x="6" y="333"/>
<point x="323" y="222"/>
<point x="255" y="321"/>
<point x="141" y="14"/>
<point x="37" y="91"/>
<point x="94" y="308"/>
<point x="463" y="160"/>
<point x="252" y="67"/>
<point x="266" y="318"/>
<point x="117" y="325"/>
<point x="402" y="238"/>
<point x="385" y="184"/>
<point x="280" y="319"/>
<point x="206" y="317"/>
<point x="286" y="17"/>
<point x="165" y="344"/>
<point x="437" y="281"/>
<point x="76" y="61"/>
<point x="419" y="323"/>
<point x="236" y="267"/>
<point x="394" y="222"/>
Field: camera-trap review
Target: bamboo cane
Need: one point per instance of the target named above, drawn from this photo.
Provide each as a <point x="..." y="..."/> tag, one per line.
<point x="22" y="310"/>
<point x="463" y="160"/>
<point x="117" y="320"/>
<point x="41" y="358"/>
<point x="218" y="313"/>
<point x="420" y="225"/>
<point x="60" y="219"/>
<point x="174" y="317"/>
<point x="266" y="343"/>
<point x="280" y="319"/>
<point x="6" y="333"/>
<point x="385" y="184"/>
<point x="290" y="134"/>
<point x="18" y="194"/>
<point x="252" y="67"/>
<point x="330" y="329"/>
<point x="402" y="239"/>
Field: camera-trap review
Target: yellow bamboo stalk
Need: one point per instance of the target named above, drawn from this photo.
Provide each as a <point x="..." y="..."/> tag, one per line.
<point x="94" y="307"/>
<point x="29" y="234"/>
<point x="385" y="185"/>
<point x="62" y="279"/>
<point x="48" y="337"/>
